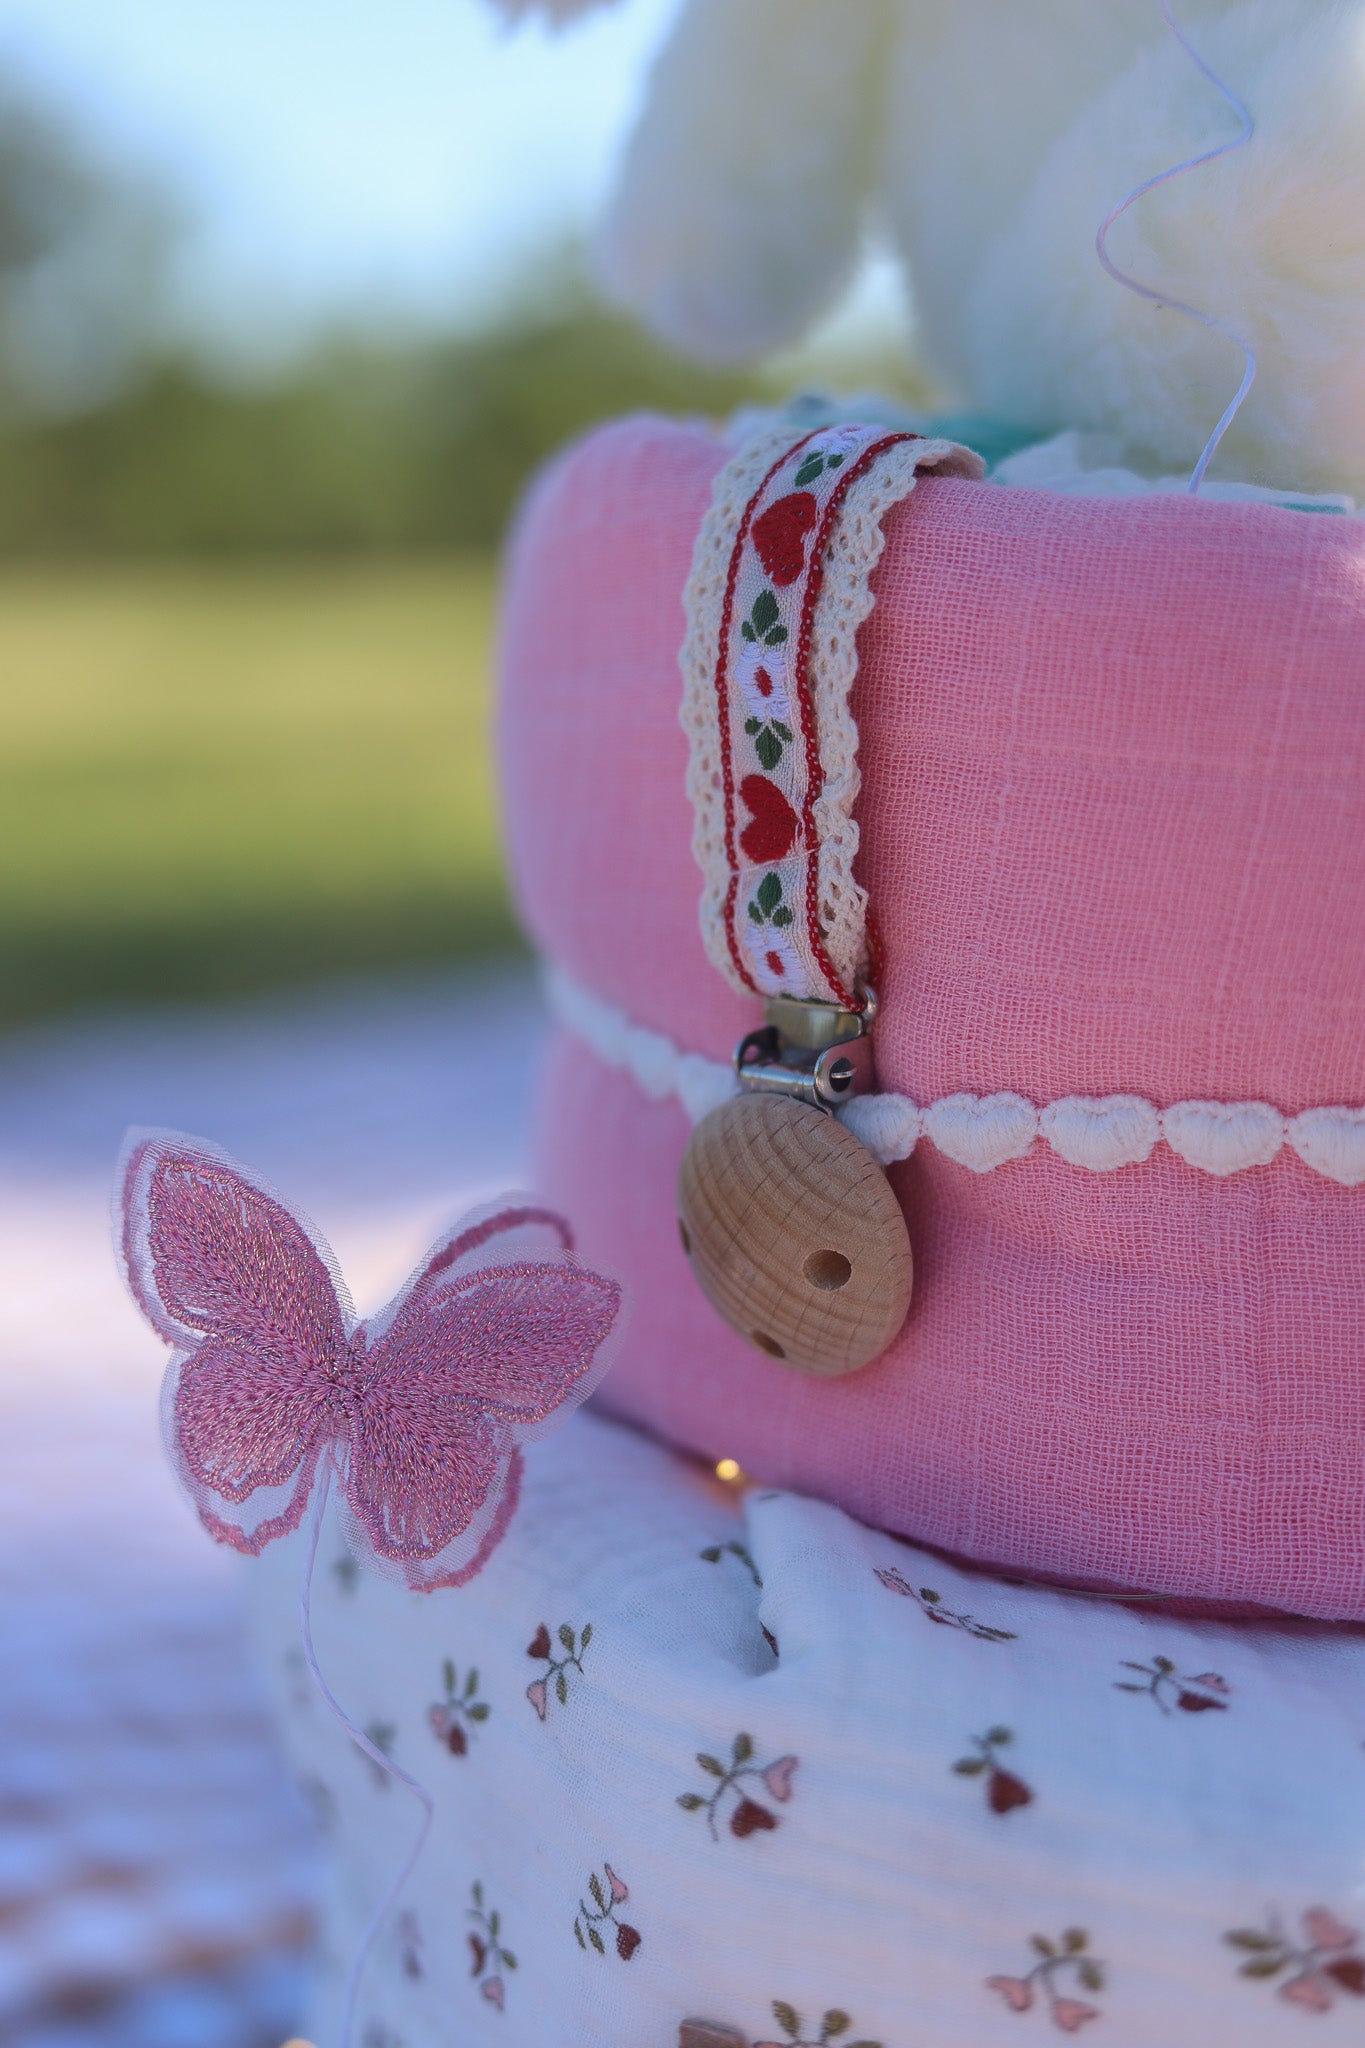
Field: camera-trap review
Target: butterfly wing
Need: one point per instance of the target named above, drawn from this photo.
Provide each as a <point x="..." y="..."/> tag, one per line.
<point x="238" y="1285"/>
<point x="466" y="1371"/>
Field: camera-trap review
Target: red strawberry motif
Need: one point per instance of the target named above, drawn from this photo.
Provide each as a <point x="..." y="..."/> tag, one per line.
<point x="627" y="1941"/>
<point x="539" y="1645"/>
<point x="771" y="831"/>
<point x="780" y="536"/>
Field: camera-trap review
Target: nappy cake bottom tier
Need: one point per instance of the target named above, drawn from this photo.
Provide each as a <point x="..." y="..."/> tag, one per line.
<point x="716" y="1767"/>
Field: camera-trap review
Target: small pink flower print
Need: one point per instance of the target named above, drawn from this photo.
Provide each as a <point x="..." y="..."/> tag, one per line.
<point x="589" y="1921"/>
<point x="572" y="1644"/>
<point x="491" y="1959"/>
<point x="1070" y="2014"/>
<point x="1175" y="1691"/>
<point x="1017" y="1992"/>
<point x="748" y="1816"/>
<point x="1325" y="1963"/>
<point x="1324" y="1930"/>
<point x="778" y="1777"/>
<point x="1057" y="1961"/>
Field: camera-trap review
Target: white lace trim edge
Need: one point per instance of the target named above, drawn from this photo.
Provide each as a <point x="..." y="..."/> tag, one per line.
<point x="1099" y="1133"/>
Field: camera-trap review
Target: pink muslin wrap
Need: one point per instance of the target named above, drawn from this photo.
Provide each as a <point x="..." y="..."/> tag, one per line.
<point x="1111" y="817"/>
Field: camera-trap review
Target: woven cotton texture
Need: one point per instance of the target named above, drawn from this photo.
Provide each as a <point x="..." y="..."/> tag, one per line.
<point x="1111" y="757"/>
<point x="872" y="1808"/>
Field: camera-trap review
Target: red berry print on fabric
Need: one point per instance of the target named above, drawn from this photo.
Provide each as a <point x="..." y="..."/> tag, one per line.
<point x="1324" y="1964"/>
<point x="1173" y="1691"/>
<point x="930" y="1605"/>
<point x="773" y="825"/>
<point x="706" y="2034"/>
<point x="1005" y="1792"/>
<point x="491" y="1961"/>
<point x="748" y="1815"/>
<point x="835" y="2026"/>
<point x="609" y="1892"/>
<point x="780" y="535"/>
<point x="1063" y="1967"/>
<point x="454" y="1719"/>
<point x="555" y="1683"/>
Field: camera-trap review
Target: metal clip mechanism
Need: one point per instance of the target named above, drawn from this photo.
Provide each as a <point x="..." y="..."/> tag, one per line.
<point x="815" y="1052"/>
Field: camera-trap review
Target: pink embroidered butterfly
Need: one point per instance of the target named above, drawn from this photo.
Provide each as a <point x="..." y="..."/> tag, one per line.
<point x="420" y="1412"/>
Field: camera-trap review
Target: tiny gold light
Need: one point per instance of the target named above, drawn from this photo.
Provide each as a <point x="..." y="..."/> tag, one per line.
<point x="729" y="1471"/>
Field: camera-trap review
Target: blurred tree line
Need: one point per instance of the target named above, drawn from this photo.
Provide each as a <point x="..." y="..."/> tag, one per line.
<point x="112" y="444"/>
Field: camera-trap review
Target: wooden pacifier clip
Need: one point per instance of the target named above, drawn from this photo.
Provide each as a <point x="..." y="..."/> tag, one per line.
<point x="792" y="1229"/>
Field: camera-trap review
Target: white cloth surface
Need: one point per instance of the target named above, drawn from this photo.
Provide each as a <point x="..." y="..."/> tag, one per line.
<point x="1163" y="1784"/>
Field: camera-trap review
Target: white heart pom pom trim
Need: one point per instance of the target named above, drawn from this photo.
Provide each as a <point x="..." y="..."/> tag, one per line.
<point x="1098" y="1133"/>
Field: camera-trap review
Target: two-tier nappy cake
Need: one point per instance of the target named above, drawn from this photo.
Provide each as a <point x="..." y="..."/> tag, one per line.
<point x="945" y="1627"/>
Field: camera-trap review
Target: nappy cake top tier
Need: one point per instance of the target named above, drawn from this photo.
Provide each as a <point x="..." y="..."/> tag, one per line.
<point x="1110" y="816"/>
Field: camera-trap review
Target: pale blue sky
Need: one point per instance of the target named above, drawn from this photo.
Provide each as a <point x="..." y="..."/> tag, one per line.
<point x="346" y="154"/>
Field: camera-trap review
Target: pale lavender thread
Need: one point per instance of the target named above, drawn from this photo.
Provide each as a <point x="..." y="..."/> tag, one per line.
<point x="1163" y="299"/>
<point x="362" y="1742"/>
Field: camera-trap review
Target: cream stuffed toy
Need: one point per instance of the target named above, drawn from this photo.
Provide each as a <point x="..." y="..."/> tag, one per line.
<point x="989" y="139"/>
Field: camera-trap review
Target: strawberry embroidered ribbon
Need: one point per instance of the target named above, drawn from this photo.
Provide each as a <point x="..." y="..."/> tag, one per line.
<point x="780" y="584"/>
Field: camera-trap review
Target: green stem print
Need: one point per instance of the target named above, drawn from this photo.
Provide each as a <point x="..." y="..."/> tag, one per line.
<point x="557" y="1670"/>
<point x="454" y="1718"/>
<point x="608" y="1892"/>
<point x="747" y="1816"/>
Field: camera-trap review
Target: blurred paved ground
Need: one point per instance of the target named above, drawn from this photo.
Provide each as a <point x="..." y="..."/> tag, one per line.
<point x="155" y="1864"/>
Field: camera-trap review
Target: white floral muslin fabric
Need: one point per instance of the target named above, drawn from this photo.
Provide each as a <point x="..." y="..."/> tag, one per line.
<point x="716" y="1766"/>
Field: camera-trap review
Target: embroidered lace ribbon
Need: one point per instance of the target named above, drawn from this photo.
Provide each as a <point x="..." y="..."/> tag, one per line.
<point x="1099" y="1133"/>
<point x="780" y="583"/>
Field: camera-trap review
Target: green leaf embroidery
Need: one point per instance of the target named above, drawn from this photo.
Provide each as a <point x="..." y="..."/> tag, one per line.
<point x="494" y="1922"/>
<point x="743" y="1748"/>
<point x="784" y="732"/>
<point x="594" y="1886"/>
<point x="787" y="2017"/>
<point x="561" y="1688"/>
<point x="690" y="1801"/>
<point x="1043" y="1945"/>
<point x="1249" y="1937"/>
<point x="711" y="1554"/>
<point x="776" y="637"/>
<point x="999" y="1736"/>
<point x="769" y="893"/>
<point x="586" y="1637"/>
<point x="765" y="613"/>
<point x="448" y="1673"/>
<point x="508" y="1959"/>
<point x="579" y="1932"/>
<point x="1263" y="1966"/>
<point x="835" y="2022"/>
<point x="478" y="1712"/>
<point x="1074" y="1940"/>
<point x="595" y="1938"/>
<point x="752" y="725"/>
<point x="747" y="630"/>
<point x="1090" y="1974"/>
<point x="768" y="748"/>
<point x="471" y="1684"/>
<point x="782" y="916"/>
<point x="566" y="1636"/>
<point x="756" y="915"/>
<point x="809" y="470"/>
<point x="970" y="1766"/>
<point x="712" y="1765"/>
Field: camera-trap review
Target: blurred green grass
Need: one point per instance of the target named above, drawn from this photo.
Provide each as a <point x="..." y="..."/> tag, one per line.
<point x="214" y="779"/>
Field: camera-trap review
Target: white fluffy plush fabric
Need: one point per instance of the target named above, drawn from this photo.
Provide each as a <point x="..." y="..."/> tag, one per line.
<point x="991" y="137"/>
